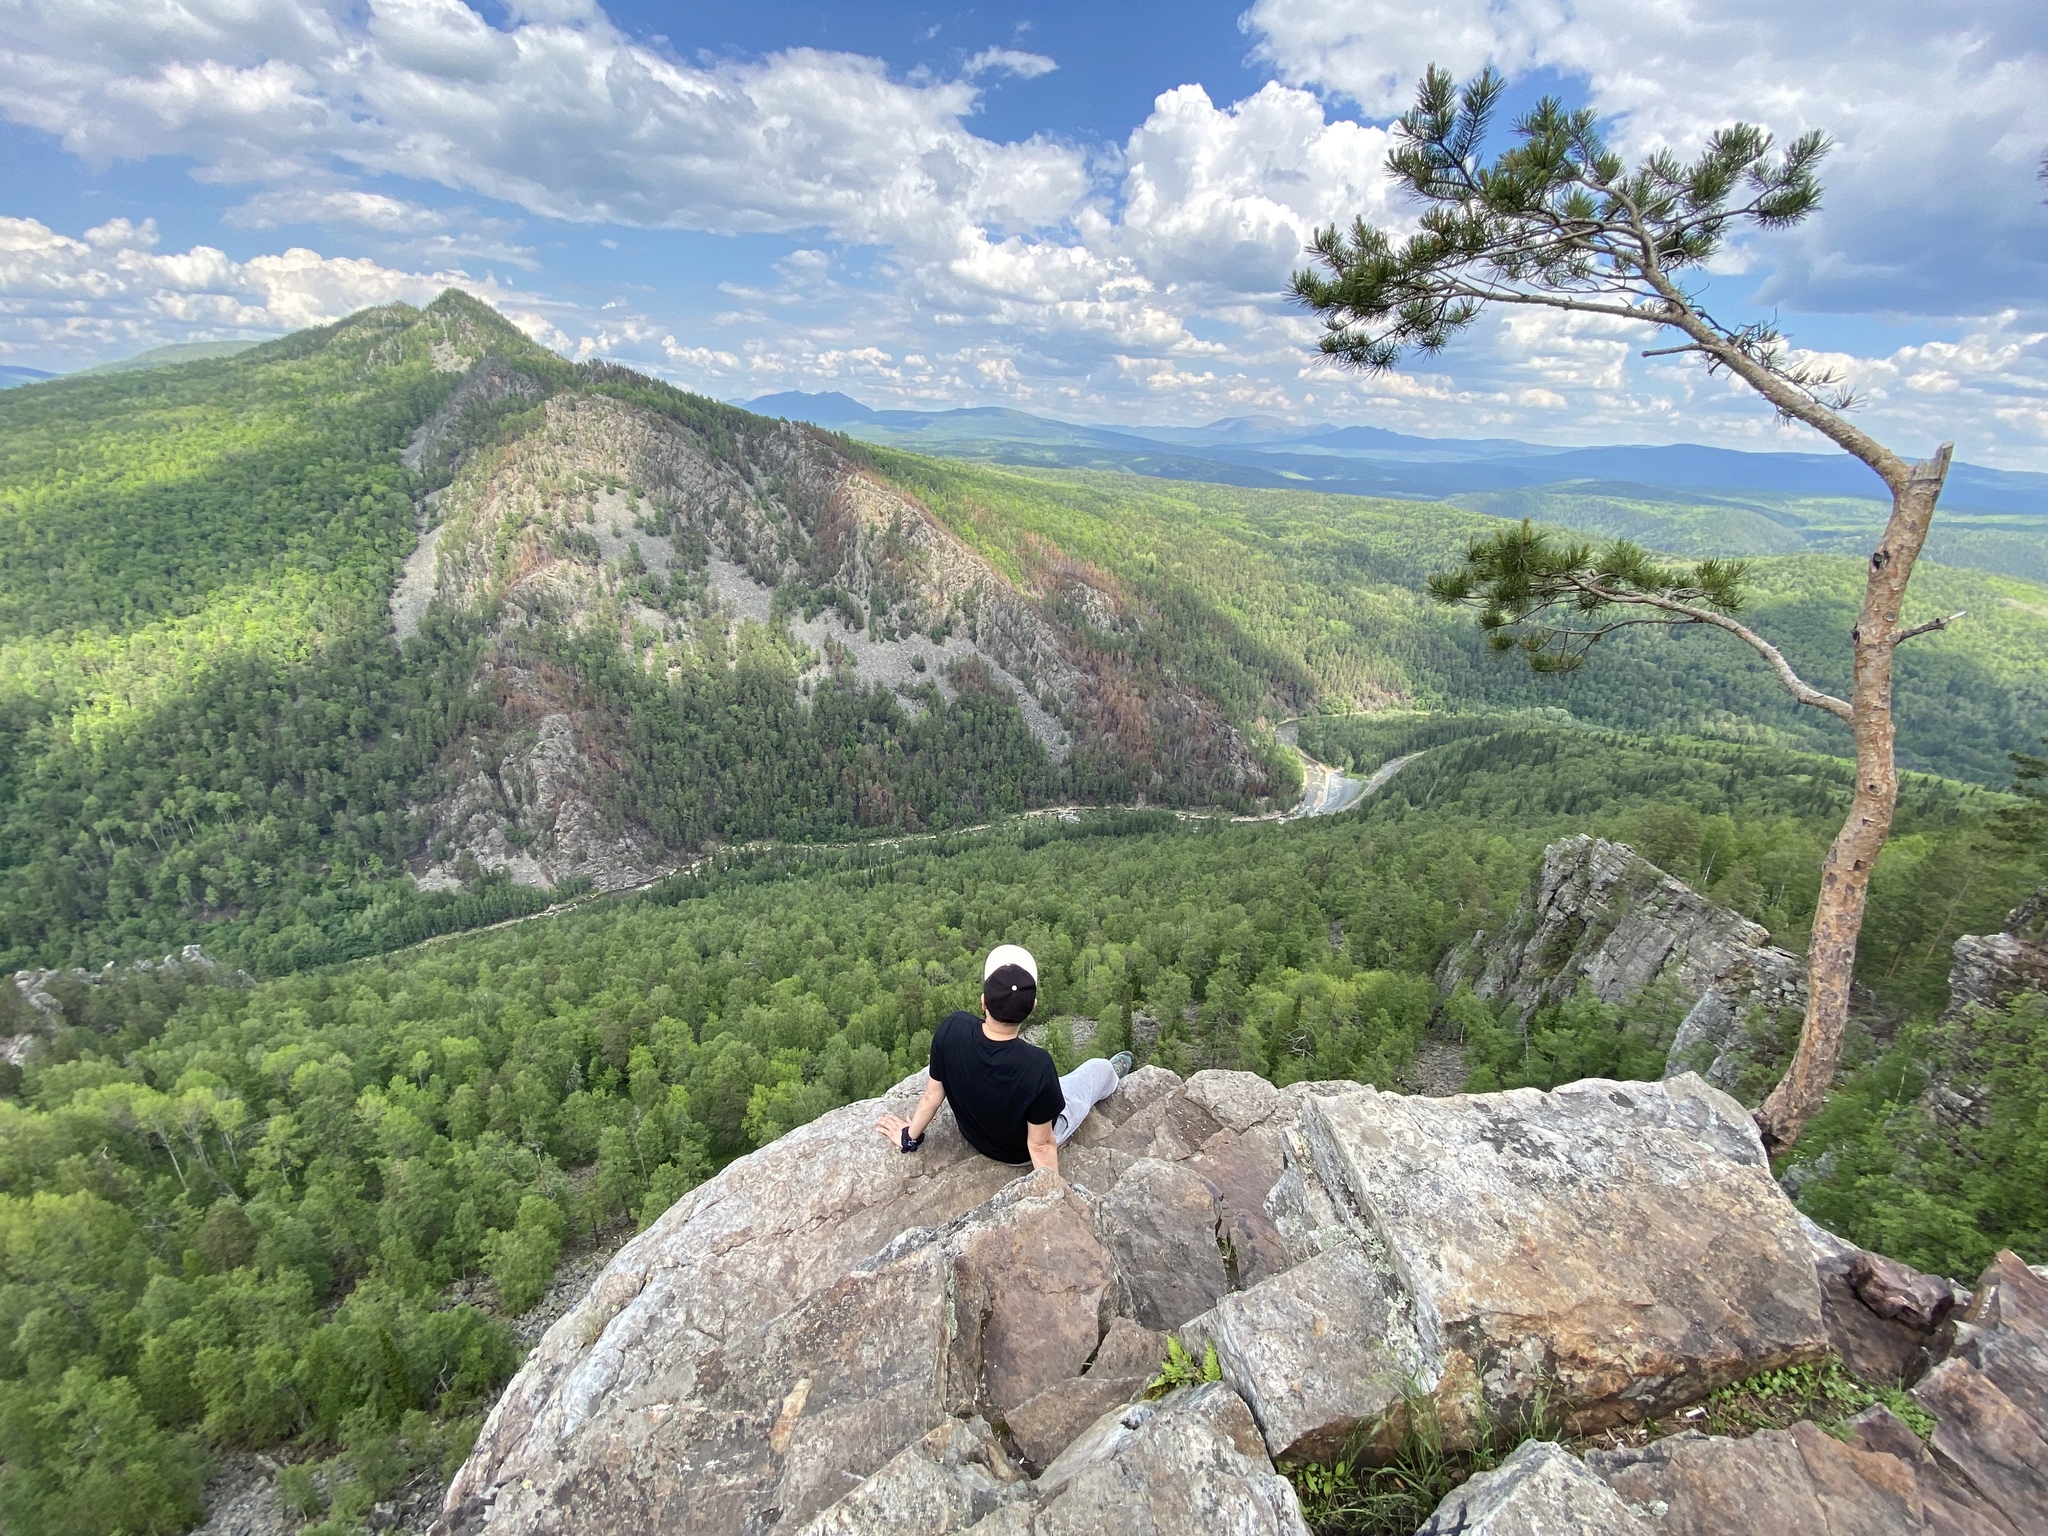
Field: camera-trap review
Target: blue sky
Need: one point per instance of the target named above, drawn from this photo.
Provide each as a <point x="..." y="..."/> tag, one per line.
<point x="1085" y="210"/>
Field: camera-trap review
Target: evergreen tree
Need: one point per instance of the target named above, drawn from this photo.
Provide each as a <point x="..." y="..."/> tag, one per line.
<point x="1559" y="221"/>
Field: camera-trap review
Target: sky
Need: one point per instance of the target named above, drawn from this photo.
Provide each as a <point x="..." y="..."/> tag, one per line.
<point x="1085" y="210"/>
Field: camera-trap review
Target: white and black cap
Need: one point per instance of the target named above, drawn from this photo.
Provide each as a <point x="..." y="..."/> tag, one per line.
<point x="1009" y="983"/>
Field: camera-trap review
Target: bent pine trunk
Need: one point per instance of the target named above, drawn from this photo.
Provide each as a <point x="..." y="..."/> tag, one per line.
<point x="1845" y="877"/>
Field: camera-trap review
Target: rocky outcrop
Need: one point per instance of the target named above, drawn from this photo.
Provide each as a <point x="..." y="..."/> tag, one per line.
<point x="1540" y="1490"/>
<point x="1599" y="915"/>
<point x="1990" y="971"/>
<point x="1984" y="1471"/>
<point x="1610" y="1249"/>
<point x="1991" y="968"/>
<point x="1888" y="1322"/>
<point x="488" y="388"/>
<point x="830" y="1336"/>
<point x="40" y="1001"/>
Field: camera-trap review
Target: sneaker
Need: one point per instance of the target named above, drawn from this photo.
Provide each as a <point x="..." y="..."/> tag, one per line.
<point x="1122" y="1063"/>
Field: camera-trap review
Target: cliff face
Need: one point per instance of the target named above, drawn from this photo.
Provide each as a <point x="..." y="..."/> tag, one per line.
<point x="830" y="1336"/>
<point x="1990" y="970"/>
<point x="1599" y="914"/>
<point x="607" y="516"/>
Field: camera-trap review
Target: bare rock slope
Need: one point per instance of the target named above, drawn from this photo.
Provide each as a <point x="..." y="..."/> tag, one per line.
<point x="669" y="531"/>
<point x="831" y="1336"/>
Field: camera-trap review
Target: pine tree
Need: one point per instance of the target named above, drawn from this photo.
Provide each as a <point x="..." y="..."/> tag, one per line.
<point x="1559" y="221"/>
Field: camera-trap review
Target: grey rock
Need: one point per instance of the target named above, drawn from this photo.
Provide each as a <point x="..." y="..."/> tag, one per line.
<point x="1318" y="1352"/>
<point x="1989" y="972"/>
<point x="1798" y="1482"/>
<point x="1032" y="1297"/>
<point x="1882" y="1343"/>
<point x="1161" y="1224"/>
<point x="1599" y="914"/>
<point x="1170" y="1127"/>
<point x="1046" y="1424"/>
<point x="1950" y="1506"/>
<point x="1237" y="1101"/>
<point x="1988" y="1441"/>
<point x="1190" y="1462"/>
<point x="946" y="1481"/>
<point x="1616" y="1249"/>
<point x="1129" y="1349"/>
<point x="2004" y="1334"/>
<point x="755" y="1309"/>
<point x="829" y="1336"/>
<point x="1540" y="1490"/>
<point x="1990" y="969"/>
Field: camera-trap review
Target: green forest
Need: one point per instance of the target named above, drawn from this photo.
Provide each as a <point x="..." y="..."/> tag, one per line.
<point x="293" y="1210"/>
<point x="192" y="1175"/>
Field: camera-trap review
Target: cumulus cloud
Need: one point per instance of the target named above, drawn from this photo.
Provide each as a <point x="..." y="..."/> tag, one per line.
<point x="77" y="298"/>
<point x="1940" y="112"/>
<point x="931" y="265"/>
<point x="397" y="226"/>
<point x="558" y="112"/>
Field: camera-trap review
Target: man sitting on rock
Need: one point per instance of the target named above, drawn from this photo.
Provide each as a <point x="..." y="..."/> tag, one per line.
<point x="1008" y="1100"/>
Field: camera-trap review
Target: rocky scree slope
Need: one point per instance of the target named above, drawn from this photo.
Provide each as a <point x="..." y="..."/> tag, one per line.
<point x="667" y="523"/>
<point x="832" y="1337"/>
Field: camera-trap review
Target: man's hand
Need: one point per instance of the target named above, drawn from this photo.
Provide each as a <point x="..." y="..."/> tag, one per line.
<point x="892" y="1126"/>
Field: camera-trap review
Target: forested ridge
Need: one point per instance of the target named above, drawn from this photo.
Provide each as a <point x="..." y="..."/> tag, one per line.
<point x="296" y="1214"/>
<point x="208" y="729"/>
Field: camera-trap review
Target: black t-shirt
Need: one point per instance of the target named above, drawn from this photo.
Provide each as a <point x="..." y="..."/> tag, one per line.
<point x="996" y="1087"/>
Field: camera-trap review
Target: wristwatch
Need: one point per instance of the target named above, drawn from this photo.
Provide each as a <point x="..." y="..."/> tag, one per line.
<point x="911" y="1144"/>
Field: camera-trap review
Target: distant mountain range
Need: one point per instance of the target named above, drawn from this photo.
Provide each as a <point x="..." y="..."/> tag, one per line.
<point x="1372" y="461"/>
<point x="173" y="354"/>
<point x="155" y="357"/>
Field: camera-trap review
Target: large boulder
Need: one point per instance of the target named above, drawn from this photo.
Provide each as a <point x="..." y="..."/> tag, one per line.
<point x="1801" y="1481"/>
<point x="1611" y="1250"/>
<point x="1540" y="1490"/>
<point x="831" y="1337"/>
<point x="1889" y="1322"/>
<point x="1194" y="1462"/>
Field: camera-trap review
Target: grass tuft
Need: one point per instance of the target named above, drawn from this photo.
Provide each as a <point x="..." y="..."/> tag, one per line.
<point x="1368" y="1492"/>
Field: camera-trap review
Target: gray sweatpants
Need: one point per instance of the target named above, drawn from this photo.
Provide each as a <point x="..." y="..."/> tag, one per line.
<point x="1084" y="1087"/>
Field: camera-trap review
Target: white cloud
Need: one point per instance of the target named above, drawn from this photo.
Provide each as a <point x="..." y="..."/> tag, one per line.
<point x="398" y="226"/>
<point x="558" y="112"/>
<point x="1028" y="66"/>
<point x="1940" y="112"/>
<point x="932" y="265"/>
<point x="1230" y="196"/>
<point x="73" y="300"/>
<point x="336" y="206"/>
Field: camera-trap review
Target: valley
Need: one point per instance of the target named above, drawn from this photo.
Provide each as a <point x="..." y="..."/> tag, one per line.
<point x="576" y="785"/>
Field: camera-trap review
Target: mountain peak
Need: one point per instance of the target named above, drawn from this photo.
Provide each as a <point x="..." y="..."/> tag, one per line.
<point x="829" y="408"/>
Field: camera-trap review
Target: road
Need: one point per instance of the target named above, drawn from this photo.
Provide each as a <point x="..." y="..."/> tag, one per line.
<point x="1324" y="792"/>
